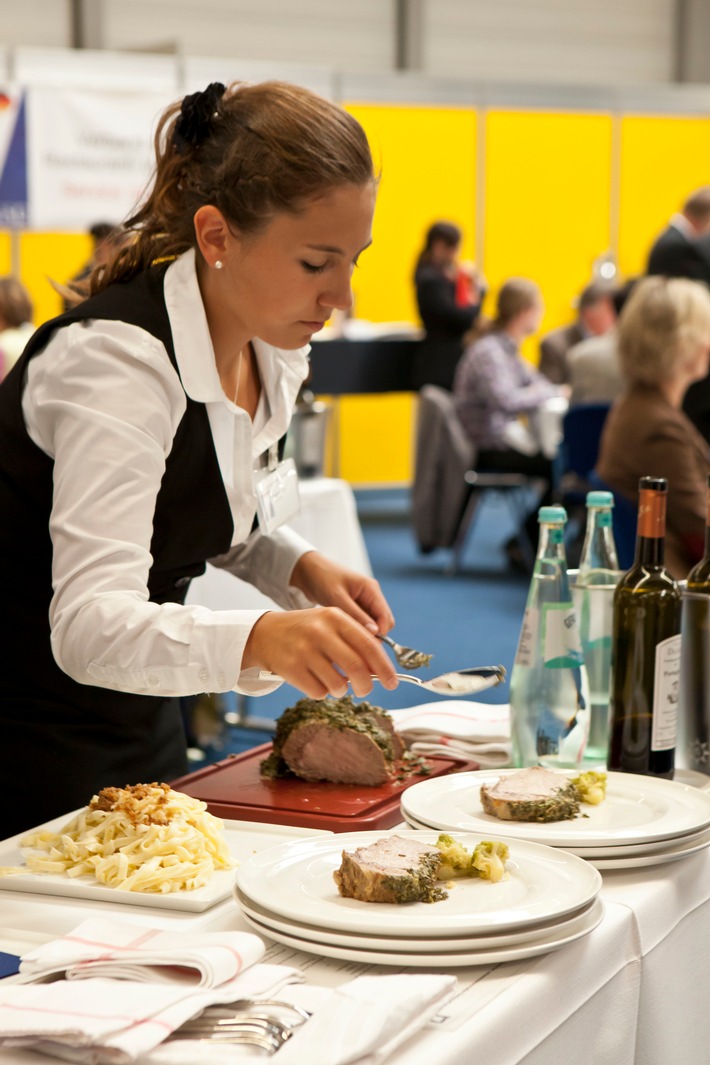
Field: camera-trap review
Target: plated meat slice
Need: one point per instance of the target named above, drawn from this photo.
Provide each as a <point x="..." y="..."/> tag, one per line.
<point x="534" y="794"/>
<point x="392" y="869"/>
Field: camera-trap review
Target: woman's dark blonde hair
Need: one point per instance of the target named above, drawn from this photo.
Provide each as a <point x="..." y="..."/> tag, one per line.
<point x="661" y="327"/>
<point x="252" y="151"/>
<point x="15" y="303"/>
<point x="516" y="295"/>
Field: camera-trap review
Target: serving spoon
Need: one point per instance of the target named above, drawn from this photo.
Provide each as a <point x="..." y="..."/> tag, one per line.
<point x="457" y="683"/>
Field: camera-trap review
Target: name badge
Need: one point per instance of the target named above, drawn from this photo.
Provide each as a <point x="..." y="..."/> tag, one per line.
<point x="277" y="496"/>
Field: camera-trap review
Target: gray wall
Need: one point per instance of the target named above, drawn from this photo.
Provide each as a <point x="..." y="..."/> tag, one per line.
<point x="573" y="42"/>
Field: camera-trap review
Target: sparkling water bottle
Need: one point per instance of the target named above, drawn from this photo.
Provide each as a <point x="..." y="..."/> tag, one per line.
<point x="549" y="691"/>
<point x="593" y="597"/>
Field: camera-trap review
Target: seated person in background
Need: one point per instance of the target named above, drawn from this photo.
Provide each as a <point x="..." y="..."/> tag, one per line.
<point x="594" y="371"/>
<point x="449" y="297"/>
<point x="664" y="345"/>
<point x="16" y="326"/>
<point x="595" y="316"/>
<point x="494" y="385"/>
<point x="682" y="249"/>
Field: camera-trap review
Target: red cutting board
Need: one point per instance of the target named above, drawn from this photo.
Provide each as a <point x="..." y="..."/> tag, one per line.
<point x="235" y="790"/>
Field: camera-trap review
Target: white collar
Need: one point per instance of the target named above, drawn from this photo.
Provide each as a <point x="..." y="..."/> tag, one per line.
<point x="281" y="371"/>
<point x="681" y="223"/>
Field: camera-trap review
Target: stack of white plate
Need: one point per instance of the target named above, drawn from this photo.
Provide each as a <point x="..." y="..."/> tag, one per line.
<point x="546" y="900"/>
<point x="642" y="821"/>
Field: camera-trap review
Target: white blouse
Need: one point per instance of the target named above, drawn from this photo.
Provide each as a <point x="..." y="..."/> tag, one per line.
<point x="104" y="401"/>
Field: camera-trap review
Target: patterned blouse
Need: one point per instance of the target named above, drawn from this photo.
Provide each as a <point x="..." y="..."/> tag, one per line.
<point x="493" y="385"/>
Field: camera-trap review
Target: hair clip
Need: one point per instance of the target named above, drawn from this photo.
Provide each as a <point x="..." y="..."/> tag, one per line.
<point x="197" y="112"/>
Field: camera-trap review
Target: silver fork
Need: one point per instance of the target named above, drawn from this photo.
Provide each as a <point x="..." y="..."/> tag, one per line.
<point x="244" y="1022"/>
<point x="406" y="657"/>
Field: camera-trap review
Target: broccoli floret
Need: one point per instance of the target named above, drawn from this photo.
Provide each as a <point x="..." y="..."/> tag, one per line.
<point x="455" y="859"/>
<point x="591" y="787"/>
<point x="489" y="860"/>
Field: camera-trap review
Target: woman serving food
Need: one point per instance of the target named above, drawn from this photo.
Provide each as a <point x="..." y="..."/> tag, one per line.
<point x="139" y="438"/>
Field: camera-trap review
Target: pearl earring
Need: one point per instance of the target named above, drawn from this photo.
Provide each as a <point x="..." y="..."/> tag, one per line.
<point x="218" y="264"/>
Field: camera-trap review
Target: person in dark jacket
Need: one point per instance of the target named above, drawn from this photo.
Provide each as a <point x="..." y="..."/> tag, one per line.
<point x="681" y="250"/>
<point x="139" y="438"/>
<point x="449" y="298"/>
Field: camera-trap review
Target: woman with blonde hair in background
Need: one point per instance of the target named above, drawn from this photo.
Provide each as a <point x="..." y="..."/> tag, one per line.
<point x="663" y="343"/>
<point x="493" y="386"/>
<point x="140" y="438"/>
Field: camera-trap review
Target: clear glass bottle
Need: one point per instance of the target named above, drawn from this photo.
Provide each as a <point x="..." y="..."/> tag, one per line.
<point x="693" y="745"/>
<point x="593" y="596"/>
<point x="645" y="651"/>
<point x="549" y="693"/>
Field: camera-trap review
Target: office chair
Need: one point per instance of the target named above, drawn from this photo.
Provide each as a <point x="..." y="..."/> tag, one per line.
<point x="582" y="427"/>
<point x="448" y="489"/>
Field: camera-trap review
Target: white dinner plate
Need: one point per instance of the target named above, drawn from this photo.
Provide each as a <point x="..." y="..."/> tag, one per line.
<point x="447" y="959"/>
<point x="673" y="853"/>
<point x="295" y="880"/>
<point x="637" y="809"/>
<point x="633" y="850"/>
<point x="244" y="839"/>
<point x="418" y="944"/>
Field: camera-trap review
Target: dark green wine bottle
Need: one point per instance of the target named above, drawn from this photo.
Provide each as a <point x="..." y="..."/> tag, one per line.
<point x="694" y="707"/>
<point x="645" y="653"/>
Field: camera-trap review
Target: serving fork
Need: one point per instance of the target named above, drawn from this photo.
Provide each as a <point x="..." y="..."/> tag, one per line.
<point x="406" y="657"/>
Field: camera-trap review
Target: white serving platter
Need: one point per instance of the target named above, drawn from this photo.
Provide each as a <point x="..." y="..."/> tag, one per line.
<point x="244" y="839"/>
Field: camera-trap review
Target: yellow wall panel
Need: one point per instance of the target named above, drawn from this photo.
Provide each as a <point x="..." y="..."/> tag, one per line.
<point x="5" y="253"/>
<point x="46" y="257"/>
<point x="427" y="159"/>
<point x="662" y="160"/>
<point x="547" y="204"/>
<point x="375" y="438"/>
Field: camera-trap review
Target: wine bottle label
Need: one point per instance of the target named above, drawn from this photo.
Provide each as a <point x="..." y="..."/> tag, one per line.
<point x="665" y="695"/>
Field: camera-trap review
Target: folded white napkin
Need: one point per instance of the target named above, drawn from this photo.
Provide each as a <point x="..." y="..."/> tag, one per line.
<point x="113" y="1022"/>
<point x="360" y="1023"/>
<point x="102" y="947"/>
<point x="473" y="731"/>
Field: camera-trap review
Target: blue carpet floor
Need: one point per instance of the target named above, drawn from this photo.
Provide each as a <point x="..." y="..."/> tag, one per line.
<point x="472" y="618"/>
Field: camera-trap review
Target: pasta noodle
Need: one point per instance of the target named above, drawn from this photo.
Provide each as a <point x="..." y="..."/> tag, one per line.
<point x="144" y="837"/>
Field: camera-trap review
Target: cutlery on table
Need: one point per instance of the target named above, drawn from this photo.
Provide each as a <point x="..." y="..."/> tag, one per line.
<point x="255" y="1023"/>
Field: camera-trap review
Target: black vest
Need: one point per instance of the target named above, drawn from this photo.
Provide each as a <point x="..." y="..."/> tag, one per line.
<point x="80" y="737"/>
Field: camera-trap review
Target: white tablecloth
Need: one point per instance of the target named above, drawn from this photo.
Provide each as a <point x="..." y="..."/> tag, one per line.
<point x="632" y="992"/>
<point x="328" y="520"/>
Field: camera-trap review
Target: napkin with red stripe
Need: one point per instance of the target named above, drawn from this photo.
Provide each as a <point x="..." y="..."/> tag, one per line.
<point x="101" y="1021"/>
<point x="106" y="948"/>
<point x="458" y="728"/>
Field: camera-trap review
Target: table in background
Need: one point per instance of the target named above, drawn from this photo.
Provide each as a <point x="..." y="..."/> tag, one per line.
<point x="328" y="520"/>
